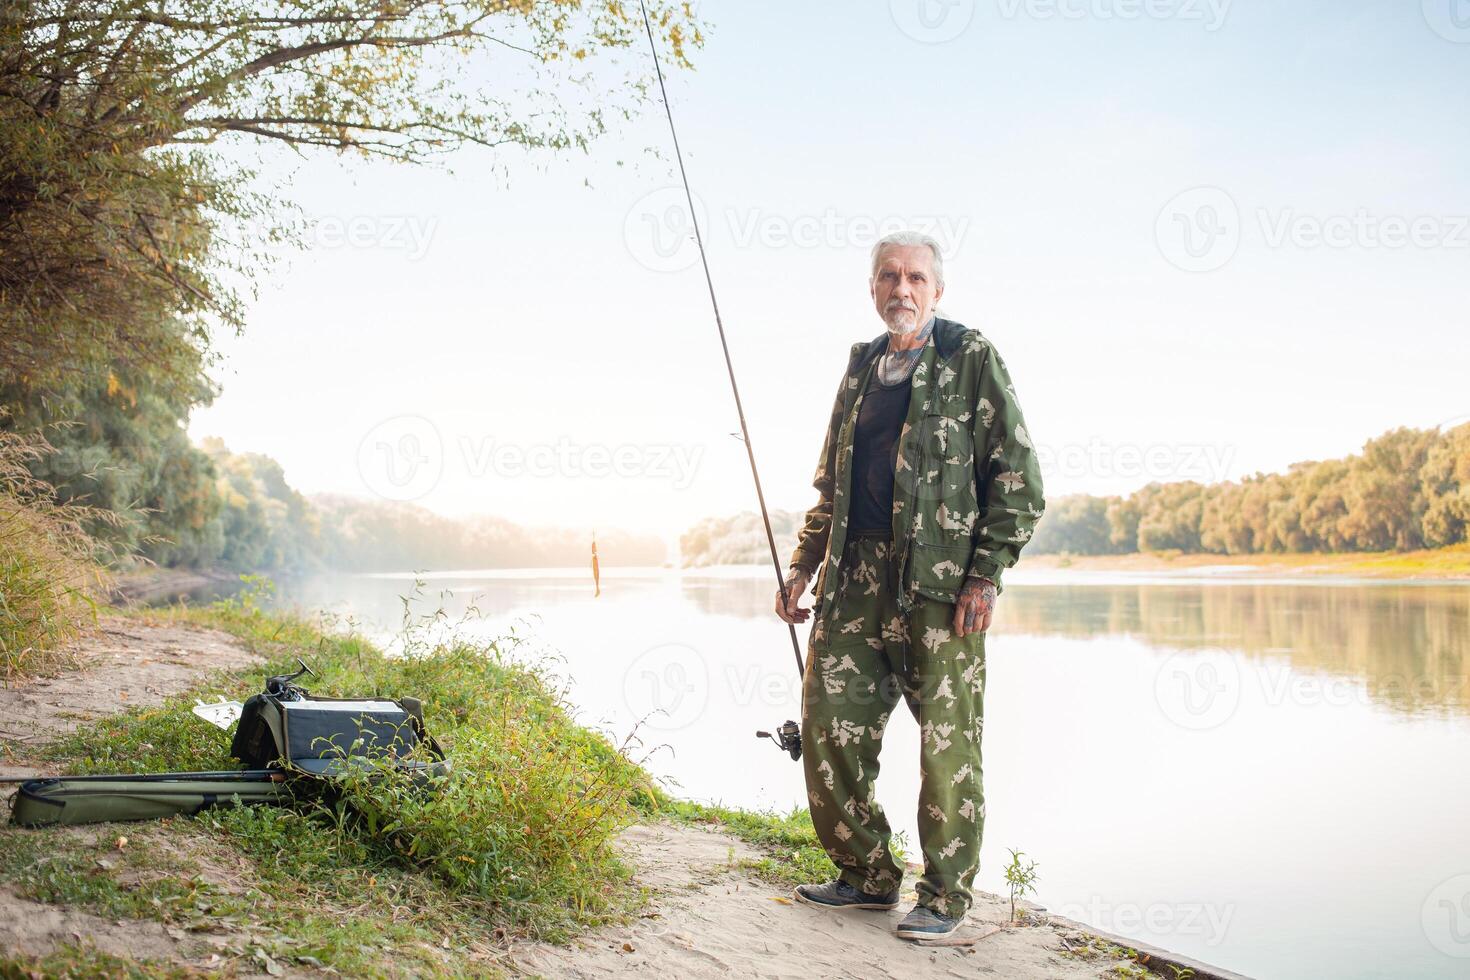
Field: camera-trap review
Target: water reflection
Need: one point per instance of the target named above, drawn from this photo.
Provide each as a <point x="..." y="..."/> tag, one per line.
<point x="1408" y="644"/>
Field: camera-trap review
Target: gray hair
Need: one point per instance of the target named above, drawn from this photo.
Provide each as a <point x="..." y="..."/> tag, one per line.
<point x="910" y="238"/>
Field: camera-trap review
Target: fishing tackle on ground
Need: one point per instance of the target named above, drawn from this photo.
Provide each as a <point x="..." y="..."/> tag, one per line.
<point x="292" y="742"/>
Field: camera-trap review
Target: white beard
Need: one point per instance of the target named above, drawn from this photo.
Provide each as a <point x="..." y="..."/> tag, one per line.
<point x="901" y="322"/>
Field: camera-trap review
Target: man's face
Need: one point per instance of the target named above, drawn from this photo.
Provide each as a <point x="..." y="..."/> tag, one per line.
<point x="903" y="288"/>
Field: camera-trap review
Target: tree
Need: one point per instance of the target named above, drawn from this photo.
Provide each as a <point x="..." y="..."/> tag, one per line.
<point x="1445" y="478"/>
<point x="1170" y="518"/>
<point x="1385" y="504"/>
<point x="115" y="213"/>
<point x="1077" y="525"/>
<point x="128" y="238"/>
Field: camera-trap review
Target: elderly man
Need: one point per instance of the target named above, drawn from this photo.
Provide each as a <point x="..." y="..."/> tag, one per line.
<point x="929" y="488"/>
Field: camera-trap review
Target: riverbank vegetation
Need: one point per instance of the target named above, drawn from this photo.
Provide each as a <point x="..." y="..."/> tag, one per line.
<point x="50" y="567"/>
<point x="1404" y="500"/>
<point x="517" y="842"/>
<point x="1408" y="490"/>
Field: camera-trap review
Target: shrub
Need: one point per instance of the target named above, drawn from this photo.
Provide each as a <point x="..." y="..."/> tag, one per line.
<point x="49" y="565"/>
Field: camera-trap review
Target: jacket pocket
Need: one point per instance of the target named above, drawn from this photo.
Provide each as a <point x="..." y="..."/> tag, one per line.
<point x="937" y="571"/>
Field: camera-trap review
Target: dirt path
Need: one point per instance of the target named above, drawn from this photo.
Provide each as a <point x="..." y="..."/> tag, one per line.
<point x="124" y="663"/>
<point x="711" y="919"/>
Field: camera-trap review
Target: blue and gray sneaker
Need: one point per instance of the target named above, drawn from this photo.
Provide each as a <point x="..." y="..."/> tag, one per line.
<point x="840" y="895"/>
<point x="926" y="924"/>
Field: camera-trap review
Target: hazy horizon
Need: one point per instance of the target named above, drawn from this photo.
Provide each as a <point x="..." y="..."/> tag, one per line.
<point x="1209" y="241"/>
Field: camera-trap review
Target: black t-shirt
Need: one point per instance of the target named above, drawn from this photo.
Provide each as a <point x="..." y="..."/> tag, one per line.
<point x="875" y="453"/>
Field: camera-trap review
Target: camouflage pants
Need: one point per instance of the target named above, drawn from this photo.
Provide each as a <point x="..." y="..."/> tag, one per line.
<point x="863" y="657"/>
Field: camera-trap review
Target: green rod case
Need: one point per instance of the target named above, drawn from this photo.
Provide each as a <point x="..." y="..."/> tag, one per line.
<point x="293" y="744"/>
<point x="95" y="799"/>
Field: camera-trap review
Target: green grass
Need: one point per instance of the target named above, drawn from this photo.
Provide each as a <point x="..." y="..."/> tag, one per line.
<point x="81" y="960"/>
<point x="793" y="853"/>
<point x="517" y="842"/>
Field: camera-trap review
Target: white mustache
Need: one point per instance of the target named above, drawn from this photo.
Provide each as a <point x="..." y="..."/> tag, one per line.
<point x="899" y="304"/>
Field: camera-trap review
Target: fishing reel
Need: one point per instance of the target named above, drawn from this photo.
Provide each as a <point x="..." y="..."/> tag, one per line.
<point x="281" y="688"/>
<point x="787" y="739"/>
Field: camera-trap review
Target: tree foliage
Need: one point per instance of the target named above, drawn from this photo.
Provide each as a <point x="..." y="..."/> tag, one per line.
<point x="131" y="232"/>
<point x="115" y="214"/>
<point x="1408" y="489"/>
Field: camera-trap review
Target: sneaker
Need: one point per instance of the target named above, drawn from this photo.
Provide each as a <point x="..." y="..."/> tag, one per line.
<point x="840" y="895"/>
<point x="926" y="924"/>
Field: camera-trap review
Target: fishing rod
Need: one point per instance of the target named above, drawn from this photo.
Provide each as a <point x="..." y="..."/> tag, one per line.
<point x="788" y="736"/>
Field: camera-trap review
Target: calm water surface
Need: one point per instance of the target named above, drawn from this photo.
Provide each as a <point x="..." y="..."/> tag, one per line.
<point x="1273" y="777"/>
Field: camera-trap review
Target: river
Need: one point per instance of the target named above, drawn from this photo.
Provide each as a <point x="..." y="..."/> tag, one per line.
<point x="1272" y="776"/>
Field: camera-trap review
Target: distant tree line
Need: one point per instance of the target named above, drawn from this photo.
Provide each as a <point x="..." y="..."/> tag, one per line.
<point x="1408" y="489"/>
<point x="368" y="536"/>
<point x="738" y="540"/>
<point x="184" y="506"/>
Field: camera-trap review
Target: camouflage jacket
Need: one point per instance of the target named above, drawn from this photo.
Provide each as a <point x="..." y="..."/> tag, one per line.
<point x="967" y="484"/>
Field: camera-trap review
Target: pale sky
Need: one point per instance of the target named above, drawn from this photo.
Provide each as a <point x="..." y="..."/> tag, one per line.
<point x="1208" y="238"/>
